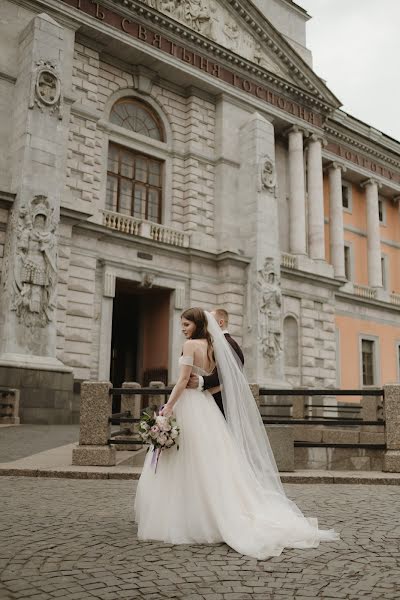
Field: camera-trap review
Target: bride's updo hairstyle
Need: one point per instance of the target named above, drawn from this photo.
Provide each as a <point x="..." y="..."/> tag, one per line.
<point x="198" y="317"/>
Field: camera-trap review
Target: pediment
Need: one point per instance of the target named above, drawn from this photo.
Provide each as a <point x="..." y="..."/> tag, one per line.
<point x="240" y="27"/>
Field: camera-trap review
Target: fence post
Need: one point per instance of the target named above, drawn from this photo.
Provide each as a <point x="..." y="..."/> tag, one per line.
<point x="94" y="427"/>
<point x="298" y="409"/>
<point x="131" y="403"/>
<point x="255" y="390"/>
<point x="157" y="400"/>
<point x="391" y="406"/>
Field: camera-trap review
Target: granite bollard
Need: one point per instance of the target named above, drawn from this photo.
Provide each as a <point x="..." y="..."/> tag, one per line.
<point x="94" y="427"/>
<point x="391" y="407"/>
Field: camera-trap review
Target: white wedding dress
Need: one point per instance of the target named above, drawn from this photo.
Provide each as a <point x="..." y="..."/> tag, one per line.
<point x="205" y="491"/>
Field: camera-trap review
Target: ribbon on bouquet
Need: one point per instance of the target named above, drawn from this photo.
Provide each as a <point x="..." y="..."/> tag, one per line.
<point x="155" y="457"/>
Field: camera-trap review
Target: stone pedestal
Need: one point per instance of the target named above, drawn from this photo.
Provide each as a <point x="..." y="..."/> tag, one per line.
<point x="281" y="438"/>
<point x="38" y="154"/>
<point x="131" y="403"/>
<point x="95" y="429"/>
<point x="391" y="408"/>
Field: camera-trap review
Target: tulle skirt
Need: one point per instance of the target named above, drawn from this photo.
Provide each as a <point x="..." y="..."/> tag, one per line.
<point x="205" y="492"/>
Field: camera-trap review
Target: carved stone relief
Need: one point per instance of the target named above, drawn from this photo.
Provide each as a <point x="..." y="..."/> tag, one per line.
<point x="46" y="88"/>
<point x="267" y="178"/>
<point x="269" y="312"/>
<point x="147" y="280"/>
<point x="215" y="22"/>
<point x="35" y="263"/>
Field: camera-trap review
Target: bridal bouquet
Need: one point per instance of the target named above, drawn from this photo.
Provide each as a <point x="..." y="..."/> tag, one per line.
<point x="160" y="432"/>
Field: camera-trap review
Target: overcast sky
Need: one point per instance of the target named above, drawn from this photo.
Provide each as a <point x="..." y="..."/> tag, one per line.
<point x="356" y="49"/>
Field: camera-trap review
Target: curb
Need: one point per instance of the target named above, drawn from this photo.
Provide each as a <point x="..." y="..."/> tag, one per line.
<point x="352" y="478"/>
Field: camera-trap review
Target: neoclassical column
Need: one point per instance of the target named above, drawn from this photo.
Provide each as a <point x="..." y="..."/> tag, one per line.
<point x="336" y="232"/>
<point x="297" y="200"/>
<point x="316" y="234"/>
<point x="374" y="242"/>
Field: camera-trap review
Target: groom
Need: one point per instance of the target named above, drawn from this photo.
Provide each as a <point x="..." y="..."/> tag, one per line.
<point x="209" y="381"/>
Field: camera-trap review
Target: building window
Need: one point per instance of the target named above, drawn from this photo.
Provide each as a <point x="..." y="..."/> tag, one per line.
<point x="384" y="267"/>
<point x="347" y="262"/>
<point x="346" y="196"/>
<point x="368" y="362"/>
<point x="382" y="210"/>
<point x="134" y="184"/>
<point x="291" y="342"/>
<point x="138" y="117"/>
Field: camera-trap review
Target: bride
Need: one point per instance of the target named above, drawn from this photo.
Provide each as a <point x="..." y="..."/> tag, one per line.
<point x="222" y="483"/>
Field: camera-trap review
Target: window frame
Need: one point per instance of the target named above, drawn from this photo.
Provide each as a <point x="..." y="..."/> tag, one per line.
<point x="382" y="200"/>
<point x="144" y="106"/>
<point x="148" y="158"/>
<point x="349" y="187"/>
<point x="385" y="271"/>
<point x="375" y="360"/>
<point x="349" y="245"/>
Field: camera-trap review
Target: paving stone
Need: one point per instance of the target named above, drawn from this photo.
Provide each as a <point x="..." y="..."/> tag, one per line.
<point x="75" y="540"/>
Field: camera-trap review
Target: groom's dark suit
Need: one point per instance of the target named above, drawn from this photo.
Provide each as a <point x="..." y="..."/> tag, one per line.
<point x="212" y="380"/>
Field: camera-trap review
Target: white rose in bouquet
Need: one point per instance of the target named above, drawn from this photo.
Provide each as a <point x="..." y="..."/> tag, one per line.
<point x="174" y="433"/>
<point x="154" y="431"/>
<point x="162" y="438"/>
<point x="169" y="443"/>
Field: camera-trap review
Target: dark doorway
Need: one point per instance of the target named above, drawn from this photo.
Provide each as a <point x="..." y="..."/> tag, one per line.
<point x="140" y="331"/>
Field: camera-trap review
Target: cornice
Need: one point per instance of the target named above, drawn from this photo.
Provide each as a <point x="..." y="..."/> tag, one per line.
<point x="353" y="299"/>
<point x="355" y="140"/>
<point x="201" y="43"/>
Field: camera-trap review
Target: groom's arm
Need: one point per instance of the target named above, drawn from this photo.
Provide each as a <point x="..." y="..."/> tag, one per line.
<point x="209" y="381"/>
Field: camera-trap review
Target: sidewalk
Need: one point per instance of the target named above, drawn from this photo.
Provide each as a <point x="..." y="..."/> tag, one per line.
<point x="56" y="461"/>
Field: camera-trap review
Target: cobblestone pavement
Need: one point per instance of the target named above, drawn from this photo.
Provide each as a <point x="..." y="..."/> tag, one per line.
<point x="24" y="440"/>
<point x="75" y="540"/>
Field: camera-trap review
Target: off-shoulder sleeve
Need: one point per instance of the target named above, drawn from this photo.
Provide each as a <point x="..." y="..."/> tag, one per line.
<point x="186" y="360"/>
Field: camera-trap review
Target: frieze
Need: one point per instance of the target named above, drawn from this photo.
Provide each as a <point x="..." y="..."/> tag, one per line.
<point x="196" y="60"/>
<point x="215" y="22"/>
<point x="365" y="162"/>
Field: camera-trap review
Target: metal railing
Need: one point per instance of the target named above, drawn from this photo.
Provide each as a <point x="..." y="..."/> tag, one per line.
<point x="322" y="420"/>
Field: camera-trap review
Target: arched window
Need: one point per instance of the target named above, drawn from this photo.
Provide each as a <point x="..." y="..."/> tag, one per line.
<point x="134" y="179"/>
<point x="291" y="342"/>
<point x="137" y="117"/>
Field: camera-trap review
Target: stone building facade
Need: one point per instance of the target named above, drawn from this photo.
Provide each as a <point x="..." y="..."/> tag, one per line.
<point x="160" y="154"/>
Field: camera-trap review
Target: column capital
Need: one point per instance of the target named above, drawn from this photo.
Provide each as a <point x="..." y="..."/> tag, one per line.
<point x="296" y="129"/>
<point x="317" y="137"/>
<point x="371" y="181"/>
<point x="335" y="165"/>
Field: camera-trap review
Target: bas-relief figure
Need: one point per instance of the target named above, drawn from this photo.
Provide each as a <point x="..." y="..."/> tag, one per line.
<point x="35" y="263"/>
<point x="269" y="312"/>
<point x="213" y="21"/>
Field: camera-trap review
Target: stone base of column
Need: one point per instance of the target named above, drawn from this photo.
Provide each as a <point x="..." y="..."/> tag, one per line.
<point x="94" y="456"/>
<point x="391" y="461"/>
<point x="26" y="361"/>
<point x="45" y="396"/>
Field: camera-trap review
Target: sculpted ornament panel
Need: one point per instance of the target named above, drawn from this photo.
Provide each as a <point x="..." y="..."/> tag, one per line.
<point x="215" y="22"/>
<point x="269" y="312"/>
<point x="46" y="88"/>
<point x="35" y="264"/>
<point x="267" y="175"/>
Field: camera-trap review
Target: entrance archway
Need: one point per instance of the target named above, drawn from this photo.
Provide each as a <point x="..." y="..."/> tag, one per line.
<point x="140" y="334"/>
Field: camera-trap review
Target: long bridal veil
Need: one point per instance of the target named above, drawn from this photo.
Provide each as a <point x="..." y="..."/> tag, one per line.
<point x="246" y="425"/>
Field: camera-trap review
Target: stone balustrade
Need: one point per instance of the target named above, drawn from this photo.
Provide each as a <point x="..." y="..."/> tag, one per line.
<point x="146" y="229"/>
<point x="364" y="291"/>
<point x="288" y="261"/>
<point x="9" y="406"/>
<point x="395" y="299"/>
